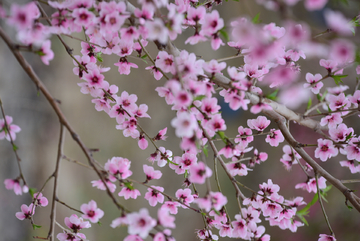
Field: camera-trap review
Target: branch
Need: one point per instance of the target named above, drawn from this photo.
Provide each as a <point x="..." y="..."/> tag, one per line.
<point x="51" y="233"/>
<point x="52" y="101"/>
<point x="281" y="122"/>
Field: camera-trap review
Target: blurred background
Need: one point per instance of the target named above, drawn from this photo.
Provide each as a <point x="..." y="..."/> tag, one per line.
<point x="38" y="139"/>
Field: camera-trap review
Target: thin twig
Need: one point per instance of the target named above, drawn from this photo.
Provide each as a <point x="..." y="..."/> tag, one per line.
<point x="51" y="233"/>
<point x="322" y="205"/>
<point x="7" y="127"/>
<point x="74" y="209"/>
<point x="54" y="104"/>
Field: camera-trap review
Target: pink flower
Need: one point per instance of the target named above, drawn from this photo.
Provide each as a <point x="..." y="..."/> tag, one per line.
<point x="26" y="212"/>
<point x="66" y="236"/>
<point x="129" y="192"/>
<point x="199" y="172"/>
<point x="217" y="123"/>
<point x="76" y="224"/>
<point x="310" y="185"/>
<point x="325" y="150"/>
<point x="258" y="158"/>
<point x="214" y="67"/>
<point x="184" y="195"/>
<point x="185" y="124"/>
<point x="352" y="150"/>
<point x="269" y="189"/>
<point x="157" y="30"/>
<point x="151" y="173"/>
<point x="118" y="167"/>
<point x="240" y="228"/>
<point x="153" y="196"/>
<point x="140" y="223"/>
<point x="331" y="120"/>
<point x="165" y="62"/>
<point x="329" y="64"/>
<point x="7" y="129"/>
<point x="132" y="237"/>
<point x="142" y="143"/>
<point x="338" y="23"/>
<point x="119" y="221"/>
<point x="259" y="124"/>
<point x="281" y="75"/>
<point x="94" y="78"/>
<point x="91" y="211"/>
<point x="165" y="219"/>
<point x="13" y="184"/>
<point x="313" y="82"/>
<point x="244" y="137"/>
<point x="342" y="50"/>
<point x="161" y="135"/>
<point x="124" y="66"/>
<point x="40" y="200"/>
<point x="211" y="23"/>
<point x="22" y="17"/>
<point x="312" y="5"/>
<point x="340" y="133"/>
<point x="275" y="137"/>
<point x="237" y="168"/>
<point x="100" y="185"/>
<point x="171" y="206"/>
<point x="351" y="165"/>
<point x="83" y="17"/>
<point x="46" y="54"/>
<point x="155" y="71"/>
<point x="325" y="237"/>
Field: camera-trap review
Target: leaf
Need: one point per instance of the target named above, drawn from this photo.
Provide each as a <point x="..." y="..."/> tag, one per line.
<point x="129" y="185"/>
<point x="99" y="223"/>
<point x="273" y="95"/>
<point x="318" y="111"/>
<point x="205" y="150"/>
<point x="302" y="218"/>
<point x="348" y="136"/>
<point x="32" y="191"/>
<point x="144" y="56"/>
<point x="305" y="210"/>
<point x="349" y="207"/>
<point x="256" y="19"/>
<point x="357" y="57"/>
<point x="309" y="104"/>
<point x="36" y="226"/>
<point x="15" y="148"/>
<point x="338" y="78"/>
<point x="222" y="136"/>
<point x="98" y="57"/>
<point x="200" y="97"/>
<point x="224" y="34"/>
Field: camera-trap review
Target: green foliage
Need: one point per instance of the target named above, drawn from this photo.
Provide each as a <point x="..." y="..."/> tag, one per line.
<point x="256" y="19"/>
<point x="32" y="191"/>
<point x="205" y="150"/>
<point x="309" y="104"/>
<point x="224" y="33"/>
<point x="36" y="226"/>
<point x="129" y="185"/>
<point x="98" y="57"/>
<point x="305" y="211"/>
<point x="222" y="136"/>
<point x="273" y="95"/>
<point x="338" y="78"/>
<point x="15" y="148"/>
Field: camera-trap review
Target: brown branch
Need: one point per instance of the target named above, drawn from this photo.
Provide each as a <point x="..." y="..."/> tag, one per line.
<point x="52" y="101"/>
<point x="7" y="127"/>
<point x="281" y="122"/>
<point x="51" y="233"/>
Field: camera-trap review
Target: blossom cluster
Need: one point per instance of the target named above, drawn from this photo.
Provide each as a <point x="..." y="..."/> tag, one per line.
<point x="271" y="55"/>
